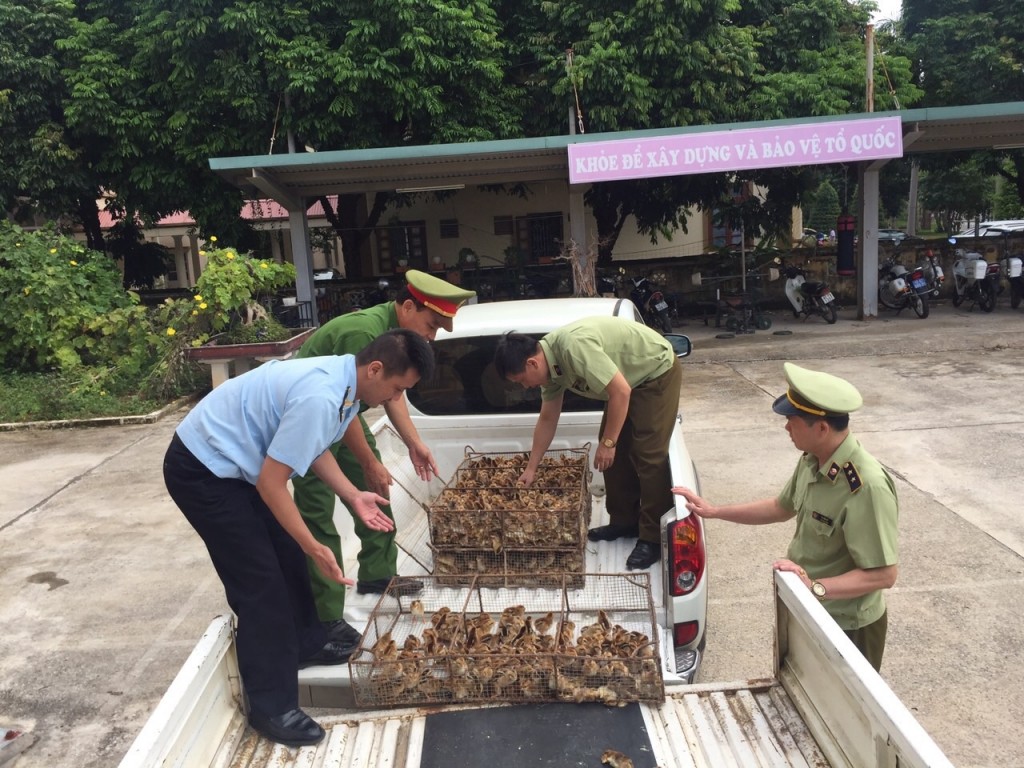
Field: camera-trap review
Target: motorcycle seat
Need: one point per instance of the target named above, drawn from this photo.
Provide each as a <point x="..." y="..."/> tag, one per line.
<point x="812" y="287"/>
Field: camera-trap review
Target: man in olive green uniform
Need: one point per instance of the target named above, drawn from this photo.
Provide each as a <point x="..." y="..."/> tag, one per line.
<point x="635" y="371"/>
<point x="844" y="548"/>
<point x="426" y="304"/>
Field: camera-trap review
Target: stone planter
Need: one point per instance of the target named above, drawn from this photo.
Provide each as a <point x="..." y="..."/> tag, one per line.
<point x="224" y="359"/>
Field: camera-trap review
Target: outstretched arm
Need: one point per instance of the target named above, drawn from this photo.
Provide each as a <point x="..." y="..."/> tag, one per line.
<point x="761" y="512"/>
<point x="543" y="434"/>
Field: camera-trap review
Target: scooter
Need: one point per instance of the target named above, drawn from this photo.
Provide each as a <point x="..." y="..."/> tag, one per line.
<point x="974" y="279"/>
<point x="808" y="297"/>
<point x="899" y="288"/>
<point x="1013" y="271"/>
<point x="649" y="299"/>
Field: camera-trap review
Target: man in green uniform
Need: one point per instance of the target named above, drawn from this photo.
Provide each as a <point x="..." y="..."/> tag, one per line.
<point x="844" y="548"/>
<point x="426" y="304"/>
<point x="634" y="369"/>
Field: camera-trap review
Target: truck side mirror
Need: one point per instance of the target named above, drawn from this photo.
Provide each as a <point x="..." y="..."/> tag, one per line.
<point x="681" y="344"/>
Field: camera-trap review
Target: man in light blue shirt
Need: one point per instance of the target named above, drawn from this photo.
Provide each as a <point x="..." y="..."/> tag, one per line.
<point x="228" y="468"/>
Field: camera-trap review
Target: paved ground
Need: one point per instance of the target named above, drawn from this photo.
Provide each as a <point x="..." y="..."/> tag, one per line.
<point x="104" y="588"/>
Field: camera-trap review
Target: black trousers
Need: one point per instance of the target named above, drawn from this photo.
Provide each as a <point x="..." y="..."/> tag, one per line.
<point x="264" y="575"/>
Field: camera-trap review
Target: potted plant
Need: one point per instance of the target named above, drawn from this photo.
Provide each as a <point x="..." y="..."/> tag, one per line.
<point x="228" y="320"/>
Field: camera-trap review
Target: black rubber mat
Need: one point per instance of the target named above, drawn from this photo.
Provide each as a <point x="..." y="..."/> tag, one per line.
<point x="560" y="735"/>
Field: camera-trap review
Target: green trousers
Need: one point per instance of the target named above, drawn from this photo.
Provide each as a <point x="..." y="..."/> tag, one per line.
<point x="378" y="555"/>
<point x="870" y="640"/>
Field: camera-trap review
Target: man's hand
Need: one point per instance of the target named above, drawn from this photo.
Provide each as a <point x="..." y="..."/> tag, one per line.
<point x="789" y="565"/>
<point x="324" y="559"/>
<point x="423" y="462"/>
<point x="603" y="457"/>
<point x="694" y="503"/>
<point x="366" y="507"/>
<point x="378" y="479"/>
<point x="526" y="479"/>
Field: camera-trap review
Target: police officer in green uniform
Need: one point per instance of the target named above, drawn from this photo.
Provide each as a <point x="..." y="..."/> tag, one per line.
<point x="844" y="548"/>
<point x="424" y="305"/>
<point x="632" y="368"/>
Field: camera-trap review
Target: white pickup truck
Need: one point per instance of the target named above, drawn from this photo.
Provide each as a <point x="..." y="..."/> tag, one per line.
<point x="824" y="706"/>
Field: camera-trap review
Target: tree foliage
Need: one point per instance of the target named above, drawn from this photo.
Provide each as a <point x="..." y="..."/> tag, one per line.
<point x="970" y="52"/>
<point x="133" y="98"/>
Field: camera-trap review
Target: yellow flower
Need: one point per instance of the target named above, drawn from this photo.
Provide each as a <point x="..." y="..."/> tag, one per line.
<point x="197" y="297"/>
<point x="230" y="255"/>
<point x="103" y="393"/>
<point x="203" y="305"/>
<point x="213" y="238"/>
<point x="263" y="265"/>
<point x="53" y="250"/>
<point x="73" y="263"/>
<point x="202" y="252"/>
<point x="195" y="312"/>
<point x="27" y="290"/>
<point x="171" y="331"/>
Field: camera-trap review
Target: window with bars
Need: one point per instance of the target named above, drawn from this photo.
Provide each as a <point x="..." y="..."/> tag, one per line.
<point x="449" y="228"/>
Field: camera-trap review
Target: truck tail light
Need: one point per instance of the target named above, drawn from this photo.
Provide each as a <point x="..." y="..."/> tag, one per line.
<point x="685" y="633"/>
<point x="685" y="555"/>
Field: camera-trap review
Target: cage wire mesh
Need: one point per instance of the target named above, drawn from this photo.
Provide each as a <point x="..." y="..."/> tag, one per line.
<point x="482" y="522"/>
<point x="492" y="643"/>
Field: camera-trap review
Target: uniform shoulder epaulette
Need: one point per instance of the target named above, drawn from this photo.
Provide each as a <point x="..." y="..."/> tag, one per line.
<point x="852" y="477"/>
<point x="833" y="471"/>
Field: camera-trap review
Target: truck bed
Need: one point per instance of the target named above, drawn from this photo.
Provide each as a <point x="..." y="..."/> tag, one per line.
<point x="199" y="723"/>
<point x="330" y="686"/>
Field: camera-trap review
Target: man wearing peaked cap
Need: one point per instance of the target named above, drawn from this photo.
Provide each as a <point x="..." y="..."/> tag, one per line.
<point x="424" y="305"/>
<point x="844" y="547"/>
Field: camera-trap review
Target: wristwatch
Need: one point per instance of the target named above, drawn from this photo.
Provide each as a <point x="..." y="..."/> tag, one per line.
<point x="818" y="589"/>
<point x="608" y="443"/>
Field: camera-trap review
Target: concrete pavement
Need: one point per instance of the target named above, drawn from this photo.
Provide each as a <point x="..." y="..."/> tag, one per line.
<point x="104" y="588"/>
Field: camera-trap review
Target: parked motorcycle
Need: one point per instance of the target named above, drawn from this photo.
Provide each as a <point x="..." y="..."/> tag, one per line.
<point x="650" y="300"/>
<point x="933" y="274"/>
<point x="808" y="297"/>
<point x="1013" y="270"/>
<point x="974" y="279"/>
<point x="899" y="288"/>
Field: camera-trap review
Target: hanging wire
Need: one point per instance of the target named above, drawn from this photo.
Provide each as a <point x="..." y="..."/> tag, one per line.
<point x="576" y="94"/>
<point x="888" y="80"/>
<point x="273" y="133"/>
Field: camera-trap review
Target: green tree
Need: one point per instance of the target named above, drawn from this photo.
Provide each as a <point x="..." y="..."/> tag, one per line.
<point x="970" y="52"/>
<point x="957" y="193"/>
<point x="179" y="82"/>
<point x="654" y="64"/>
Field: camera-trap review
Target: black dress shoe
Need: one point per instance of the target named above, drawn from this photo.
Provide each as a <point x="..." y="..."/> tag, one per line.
<point x="613" y="532"/>
<point x="644" y="555"/>
<point x="342" y="632"/>
<point x="402" y="586"/>
<point x="333" y="652"/>
<point x="293" y="728"/>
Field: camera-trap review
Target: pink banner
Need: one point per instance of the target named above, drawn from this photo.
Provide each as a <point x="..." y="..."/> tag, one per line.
<point x="841" y="141"/>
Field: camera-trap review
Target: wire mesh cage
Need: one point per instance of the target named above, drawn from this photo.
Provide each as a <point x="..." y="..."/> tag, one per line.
<point x="528" y="567"/>
<point x="482" y="507"/>
<point x="487" y="643"/>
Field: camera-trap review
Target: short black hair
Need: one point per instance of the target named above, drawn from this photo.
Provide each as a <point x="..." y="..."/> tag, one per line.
<point x="838" y="422"/>
<point x="404" y="295"/>
<point x="399" y="350"/>
<point x="512" y="352"/>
